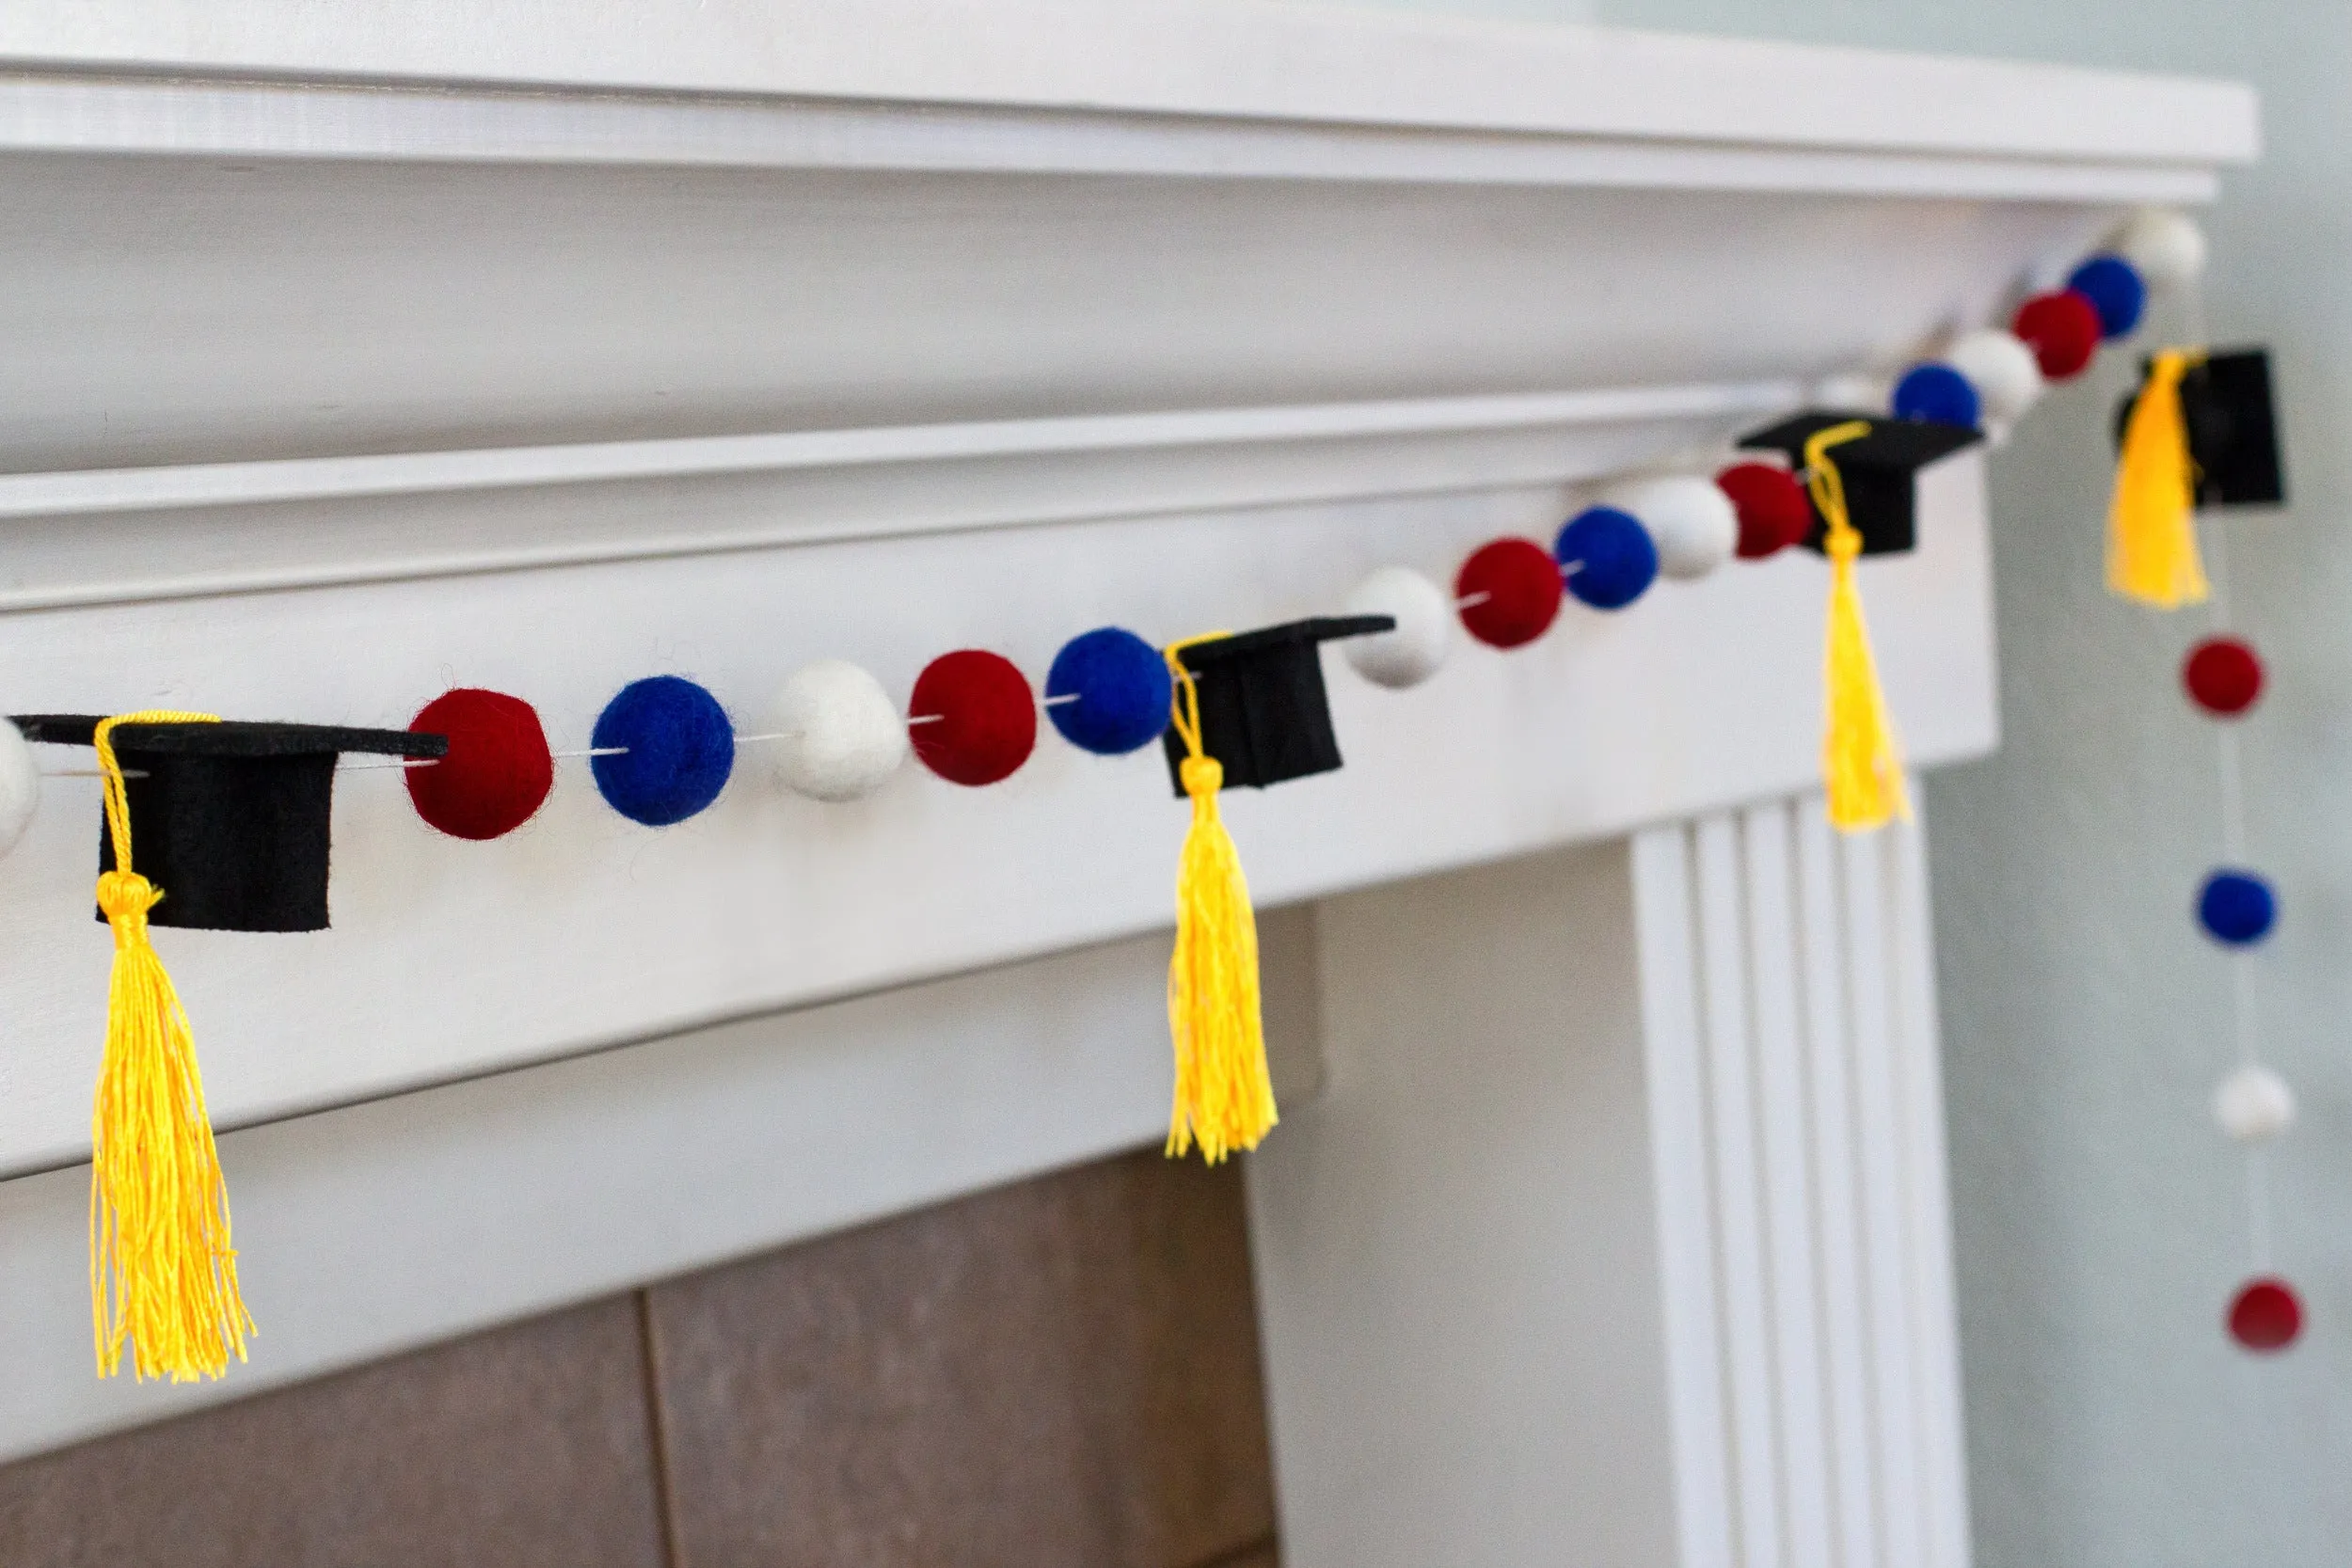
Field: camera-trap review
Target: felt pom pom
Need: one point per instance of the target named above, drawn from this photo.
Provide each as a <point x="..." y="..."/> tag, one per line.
<point x="1934" y="392"/>
<point x="1424" y="627"/>
<point x="2253" y="1104"/>
<point x="2001" y="369"/>
<point x="1691" y="521"/>
<point x="19" y="786"/>
<point x="840" y="734"/>
<point x="2062" y="329"/>
<point x="974" y="718"/>
<point x="675" y="751"/>
<point x="1119" y="690"/>
<point x="2237" y="908"/>
<point x="2168" y="247"/>
<point x="1516" y="587"/>
<point x="1607" y="557"/>
<point x="497" y="772"/>
<point x="1772" y="508"/>
<point x="2265" y="1316"/>
<point x="2223" y="676"/>
<point x="2114" y="288"/>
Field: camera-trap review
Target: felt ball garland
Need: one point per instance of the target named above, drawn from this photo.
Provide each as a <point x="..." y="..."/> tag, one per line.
<point x="2063" y="330"/>
<point x="1108" y="691"/>
<point x="2238" y="909"/>
<point x="1772" y="506"/>
<point x="1938" y="392"/>
<point x="1417" y="649"/>
<point x="2266" y="1315"/>
<point x="1691" y="523"/>
<point x="1606" y="556"/>
<point x="664" y="749"/>
<point x="838" y="735"/>
<point x="2115" y="290"/>
<point x="497" y="772"/>
<point x="1509" y="591"/>
<point x="2222" y="675"/>
<point x="973" y="717"/>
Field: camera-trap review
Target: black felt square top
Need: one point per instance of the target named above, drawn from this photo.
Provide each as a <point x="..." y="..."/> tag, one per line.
<point x="1265" y="714"/>
<point x="2233" y="428"/>
<point x="1878" y="470"/>
<point x="229" y="819"/>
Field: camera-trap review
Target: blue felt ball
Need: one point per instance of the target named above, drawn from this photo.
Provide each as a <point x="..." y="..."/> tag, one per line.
<point x="1938" y="392"/>
<point x="2115" y="290"/>
<point x="1608" y="556"/>
<point x="1119" y="688"/>
<point x="2236" y="907"/>
<point x="680" y="749"/>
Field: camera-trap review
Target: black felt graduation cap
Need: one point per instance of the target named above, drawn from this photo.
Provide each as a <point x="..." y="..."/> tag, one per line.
<point x="231" y="819"/>
<point x="1263" y="714"/>
<point x="1877" y="470"/>
<point x="2233" y="428"/>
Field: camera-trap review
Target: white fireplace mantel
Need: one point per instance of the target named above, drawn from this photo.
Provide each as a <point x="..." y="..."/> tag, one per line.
<point x="360" y="351"/>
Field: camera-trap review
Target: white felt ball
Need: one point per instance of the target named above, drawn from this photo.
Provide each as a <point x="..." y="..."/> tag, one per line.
<point x="2003" y="370"/>
<point x="842" y="734"/>
<point x="1690" y="520"/>
<point x="1424" y="627"/>
<point x="2253" y="1103"/>
<point x="1853" y="389"/>
<point x="19" y="786"/>
<point x="2168" y="247"/>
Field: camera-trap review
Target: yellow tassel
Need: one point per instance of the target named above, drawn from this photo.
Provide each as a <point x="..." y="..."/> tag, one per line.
<point x="1224" y="1098"/>
<point x="1862" y="765"/>
<point x="2151" y="530"/>
<point x="163" y="1276"/>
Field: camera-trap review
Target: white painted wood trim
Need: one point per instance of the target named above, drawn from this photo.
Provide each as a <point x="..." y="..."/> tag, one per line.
<point x="1745" y="1322"/>
<point x="829" y="486"/>
<point x="1666" y="931"/>
<point x="1856" y="1461"/>
<point x="1233" y="59"/>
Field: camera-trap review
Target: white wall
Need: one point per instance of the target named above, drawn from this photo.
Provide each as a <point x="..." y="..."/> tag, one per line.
<point x="2101" y="1220"/>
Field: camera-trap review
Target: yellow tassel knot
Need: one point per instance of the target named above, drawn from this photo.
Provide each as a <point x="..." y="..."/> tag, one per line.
<point x="1862" y="765"/>
<point x="1224" y="1097"/>
<point x="163" y="1273"/>
<point x="2151" y="527"/>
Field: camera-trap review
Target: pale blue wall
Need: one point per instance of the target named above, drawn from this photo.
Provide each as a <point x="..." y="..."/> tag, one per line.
<point x="2102" y="1219"/>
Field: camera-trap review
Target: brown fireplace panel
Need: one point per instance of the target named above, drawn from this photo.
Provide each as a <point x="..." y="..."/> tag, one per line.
<point x="1063" y="1371"/>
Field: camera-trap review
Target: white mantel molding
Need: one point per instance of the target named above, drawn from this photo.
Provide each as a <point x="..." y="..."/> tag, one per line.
<point x="1243" y="60"/>
<point x="397" y="515"/>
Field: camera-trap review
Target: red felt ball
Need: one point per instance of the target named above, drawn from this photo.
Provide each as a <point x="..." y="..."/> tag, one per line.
<point x="2223" y="676"/>
<point x="974" y="718"/>
<point x="2265" y="1316"/>
<point x="1774" y="511"/>
<point x="2062" y="329"/>
<point x="497" y="772"/>
<point x="1522" y="587"/>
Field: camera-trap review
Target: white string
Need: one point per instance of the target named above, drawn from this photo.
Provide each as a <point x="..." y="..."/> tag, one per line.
<point x="2232" y="778"/>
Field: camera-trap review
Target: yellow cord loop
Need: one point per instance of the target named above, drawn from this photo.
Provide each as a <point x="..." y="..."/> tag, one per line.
<point x="1862" y="765"/>
<point x="1224" y="1097"/>
<point x="163" y="1274"/>
<point x="2152" y="529"/>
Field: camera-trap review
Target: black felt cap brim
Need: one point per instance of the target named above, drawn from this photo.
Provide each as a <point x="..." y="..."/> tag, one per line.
<point x="1879" y="471"/>
<point x="1893" y="446"/>
<point x="231" y="819"/>
<point x="1265" y="715"/>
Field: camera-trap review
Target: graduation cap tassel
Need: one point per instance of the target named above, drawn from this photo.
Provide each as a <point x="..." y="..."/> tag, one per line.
<point x="1861" y="765"/>
<point x="1224" y="1097"/>
<point x="163" y="1276"/>
<point x="2151" y="533"/>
